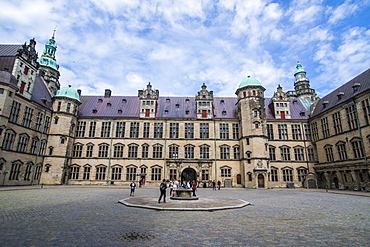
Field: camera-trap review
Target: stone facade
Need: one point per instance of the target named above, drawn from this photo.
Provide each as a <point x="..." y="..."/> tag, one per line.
<point x="54" y="135"/>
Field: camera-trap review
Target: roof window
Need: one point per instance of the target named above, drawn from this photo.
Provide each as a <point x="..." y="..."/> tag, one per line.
<point x="187" y="101"/>
<point x="302" y="113"/>
<point x="356" y="86"/>
<point x="222" y="101"/>
<point x="168" y="100"/>
<point x="109" y="104"/>
<point x="325" y="104"/>
<point x="100" y="100"/>
<point x="340" y="95"/>
<point x="223" y="112"/>
<point x="177" y="105"/>
<point x="94" y="111"/>
<point x="124" y="101"/>
<point x="120" y="111"/>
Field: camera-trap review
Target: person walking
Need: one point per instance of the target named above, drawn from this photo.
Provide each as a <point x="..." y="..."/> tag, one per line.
<point x="174" y="187"/>
<point x="194" y="187"/>
<point x="218" y="184"/>
<point x="214" y="184"/>
<point x="132" y="186"/>
<point x="162" y="189"/>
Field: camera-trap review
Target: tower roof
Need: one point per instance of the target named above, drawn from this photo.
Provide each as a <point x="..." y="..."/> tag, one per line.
<point x="299" y="68"/>
<point x="8" y="78"/>
<point x="68" y="92"/>
<point x="249" y="81"/>
<point x="48" y="56"/>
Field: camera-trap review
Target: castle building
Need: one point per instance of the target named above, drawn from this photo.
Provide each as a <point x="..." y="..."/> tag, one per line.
<point x="53" y="135"/>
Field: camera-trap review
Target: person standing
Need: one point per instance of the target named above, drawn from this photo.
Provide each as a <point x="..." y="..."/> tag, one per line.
<point x="194" y="187"/>
<point x="218" y="184"/>
<point x="132" y="186"/>
<point x="174" y="187"/>
<point x="162" y="189"/>
<point x="214" y="184"/>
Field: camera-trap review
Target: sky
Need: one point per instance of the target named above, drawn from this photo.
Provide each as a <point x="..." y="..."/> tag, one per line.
<point x="177" y="45"/>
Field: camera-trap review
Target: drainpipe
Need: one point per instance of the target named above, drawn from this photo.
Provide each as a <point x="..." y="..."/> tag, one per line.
<point x="359" y="130"/>
<point x="110" y="151"/>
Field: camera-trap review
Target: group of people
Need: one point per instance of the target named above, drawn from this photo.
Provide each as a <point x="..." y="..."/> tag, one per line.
<point x="218" y="184"/>
<point x="174" y="186"/>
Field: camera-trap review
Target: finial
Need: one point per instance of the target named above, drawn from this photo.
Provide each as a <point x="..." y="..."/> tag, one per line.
<point x="55" y="29"/>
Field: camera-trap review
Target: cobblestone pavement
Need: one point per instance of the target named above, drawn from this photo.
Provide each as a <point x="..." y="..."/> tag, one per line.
<point x="80" y="216"/>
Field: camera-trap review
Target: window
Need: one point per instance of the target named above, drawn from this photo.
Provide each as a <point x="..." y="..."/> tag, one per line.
<point x="89" y="150"/>
<point x="39" y="121"/>
<point x="8" y="141"/>
<point x="28" y="172"/>
<point x="174" y="130"/>
<point x="351" y="117"/>
<point x="283" y="131"/>
<point x="329" y="153"/>
<point x="236" y="152"/>
<point x="143" y="170"/>
<point x="272" y="152"/>
<point x="204" y="131"/>
<point x="325" y="127"/>
<point x="74" y="172"/>
<point x="80" y="130"/>
<point x="77" y="150"/>
<point x="298" y="153"/>
<point x="130" y="173"/>
<point x="146" y="130"/>
<point x="103" y="150"/>
<point x="173" y="174"/>
<point x="59" y="106"/>
<point x="315" y="132"/>
<point x="51" y="150"/>
<point x="225" y="172"/>
<point x="157" y="151"/>
<point x="235" y="131"/>
<point x="204" y="152"/>
<point x="105" y="129"/>
<point x="38" y="171"/>
<point x="224" y="152"/>
<point x="357" y="148"/>
<point x="189" y="151"/>
<point x="224" y="131"/>
<point x="311" y="153"/>
<point x="134" y="130"/>
<point x="68" y="109"/>
<point x="274" y="174"/>
<point x="285" y="153"/>
<point x="120" y="129"/>
<point x="307" y="132"/>
<point x="92" y="129"/>
<point x="100" y="172"/>
<point x="132" y="150"/>
<point x="366" y="110"/>
<point x="144" y="151"/>
<point x="173" y="152"/>
<point x="116" y="173"/>
<point x="189" y="130"/>
<point x="22" y="143"/>
<point x="287" y="175"/>
<point x="205" y="174"/>
<point x="296" y="132"/>
<point x="47" y="124"/>
<point x="56" y="119"/>
<point x="118" y="151"/>
<point x="156" y="173"/>
<point x="337" y="123"/>
<point x="15" y="171"/>
<point x="87" y="170"/>
<point x="27" y="117"/>
<point x="302" y="172"/>
<point x="34" y="145"/>
<point x="158" y="130"/>
<point x="342" y="151"/>
<point x="270" y="132"/>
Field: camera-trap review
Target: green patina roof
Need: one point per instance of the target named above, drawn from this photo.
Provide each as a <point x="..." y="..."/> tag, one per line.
<point x="48" y="56"/>
<point x="299" y="68"/>
<point x="249" y="81"/>
<point x="68" y="92"/>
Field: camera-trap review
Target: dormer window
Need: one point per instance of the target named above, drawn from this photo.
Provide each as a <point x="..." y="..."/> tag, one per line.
<point x="166" y="112"/>
<point x="356" y="86"/>
<point x="325" y="104"/>
<point x="94" y="111"/>
<point x="295" y="102"/>
<point x="187" y="101"/>
<point x="177" y="105"/>
<point x="302" y="113"/>
<point x="168" y="100"/>
<point x="100" y="100"/>
<point x="109" y="104"/>
<point x="119" y="111"/>
<point x="187" y="112"/>
<point x="222" y="101"/>
<point x="223" y="112"/>
<point x="340" y="95"/>
<point x="124" y="101"/>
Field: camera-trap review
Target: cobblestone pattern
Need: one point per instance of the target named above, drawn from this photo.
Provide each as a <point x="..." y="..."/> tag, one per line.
<point x="93" y="217"/>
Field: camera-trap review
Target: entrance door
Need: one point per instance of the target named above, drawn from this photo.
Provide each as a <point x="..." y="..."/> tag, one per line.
<point x="188" y="174"/>
<point x="261" y="181"/>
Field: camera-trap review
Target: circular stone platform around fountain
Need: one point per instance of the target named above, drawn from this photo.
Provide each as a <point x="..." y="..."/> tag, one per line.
<point x="202" y="204"/>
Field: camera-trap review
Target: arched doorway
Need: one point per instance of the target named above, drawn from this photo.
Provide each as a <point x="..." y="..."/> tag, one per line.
<point x="261" y="181"/>
<point x="189" y="174"/>
<point x="238" y="179"/>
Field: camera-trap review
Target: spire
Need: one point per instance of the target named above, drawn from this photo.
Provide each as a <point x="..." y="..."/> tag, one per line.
<point x="48" y="56"/>
<point x="299" y="68"/>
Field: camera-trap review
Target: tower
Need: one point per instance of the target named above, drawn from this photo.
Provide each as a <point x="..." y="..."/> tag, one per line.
<point x="302" y="84"/>
<point x="49" y="67"/>
<point x="252" y="118"/>
<point x="204" y="101"/>
<point x="61" y="136"/>
<point x="281" y="104"/>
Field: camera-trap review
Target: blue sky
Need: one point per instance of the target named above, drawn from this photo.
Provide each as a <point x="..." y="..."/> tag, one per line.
<point x="178" y="45"/>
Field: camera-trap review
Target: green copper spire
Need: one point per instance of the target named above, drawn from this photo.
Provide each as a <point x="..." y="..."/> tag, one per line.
<point x="249" y="81"/>
<point x="299" y="68"/>
<point x="48" y="56"/>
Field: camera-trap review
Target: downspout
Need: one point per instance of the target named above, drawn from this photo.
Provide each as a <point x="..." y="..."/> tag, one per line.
<point x="110" y="151"/>
<point x="359" y="130"/>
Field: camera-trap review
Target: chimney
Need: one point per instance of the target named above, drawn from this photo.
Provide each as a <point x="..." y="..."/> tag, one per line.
<point x="79" y="91"/>
<point x="108" y="93"/>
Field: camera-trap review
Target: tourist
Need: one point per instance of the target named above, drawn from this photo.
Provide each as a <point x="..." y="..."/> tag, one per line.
<point x="218" y="184"/>
<point x="162" y="189"/>
<point x="132" y="186"/>
<point x="171" y="187"/>
<point x="174" y="187"/>
<point x="214" y="184"/>
<point x="194" y="187"/>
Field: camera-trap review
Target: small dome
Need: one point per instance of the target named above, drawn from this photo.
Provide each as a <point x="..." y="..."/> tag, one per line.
<point x="249" y="81"/>
<point x="299" y="69"/>
<point x="68" y="92"/>
<point x="6" y="77"/>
